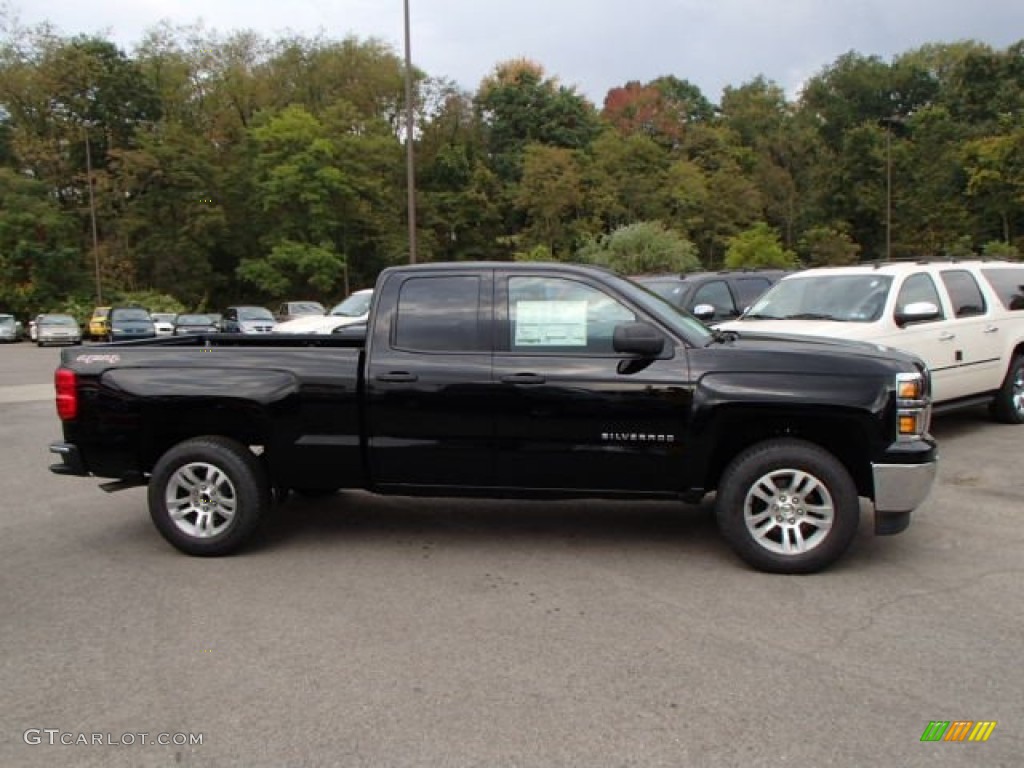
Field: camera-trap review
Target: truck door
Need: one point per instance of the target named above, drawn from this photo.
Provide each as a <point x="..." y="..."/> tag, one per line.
<point x="429" y="420"/>
<point x="570" y="413"/>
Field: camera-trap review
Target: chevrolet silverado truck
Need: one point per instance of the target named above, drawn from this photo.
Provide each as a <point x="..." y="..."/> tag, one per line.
<point x="511" y="381"/>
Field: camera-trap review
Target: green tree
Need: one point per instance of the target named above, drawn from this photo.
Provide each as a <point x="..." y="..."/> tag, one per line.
<point x="39" y="265"/>
<point x="828" y="246"/>
<point x="627" y="179"/>
<point x="518" y="106"/>
<point x="295" y="269"/>
<point x="550" y="198"/>
<point x="643" y="247"/>
<point x="758" y="246"/>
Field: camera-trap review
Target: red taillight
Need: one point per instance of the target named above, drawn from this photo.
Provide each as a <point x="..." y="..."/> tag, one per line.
<point x="67" y="394"/>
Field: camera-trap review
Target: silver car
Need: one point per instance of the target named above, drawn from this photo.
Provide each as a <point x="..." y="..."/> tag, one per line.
<point x="57" y="329"/>
<point x="10" y="329"/>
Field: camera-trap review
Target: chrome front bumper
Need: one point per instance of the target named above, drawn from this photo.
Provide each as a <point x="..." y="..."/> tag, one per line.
<point x="902" y="487"/>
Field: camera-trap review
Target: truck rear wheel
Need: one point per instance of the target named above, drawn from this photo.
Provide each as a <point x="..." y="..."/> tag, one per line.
<point x="207" y="495"/>
<point x="787" y="506"/>
<point x="1008" y="405"/>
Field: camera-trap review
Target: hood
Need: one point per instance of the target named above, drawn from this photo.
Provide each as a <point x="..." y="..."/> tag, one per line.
<point x="828" y="328"/>
<point x="799" y="353"/>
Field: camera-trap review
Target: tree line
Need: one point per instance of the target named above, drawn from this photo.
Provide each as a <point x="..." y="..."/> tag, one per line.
<point x="202" y="169"/>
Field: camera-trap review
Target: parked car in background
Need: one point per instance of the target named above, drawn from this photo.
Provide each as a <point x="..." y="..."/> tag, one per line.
<point x="247" y="319"/>
<point x="164" y="323"/>
<point x="355" y="309"/>
<point x="194" y="323"/>
<point x="290" y="310"/>
<point x="713" y="297"/>
<point x="98" y="326"/>
<point x="965" y="319"/>
<point x="57" y="329"/>
<point x="10" y="329"/>
<point x="128" y="323"/>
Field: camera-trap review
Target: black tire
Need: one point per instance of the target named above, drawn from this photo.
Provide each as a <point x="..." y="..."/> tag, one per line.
<point x="1008" y="404"/>
<point x="220" y="491"/>
<point x="804" y="517"/>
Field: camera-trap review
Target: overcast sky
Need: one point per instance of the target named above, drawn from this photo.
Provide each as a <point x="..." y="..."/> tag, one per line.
<point x="592" y="44"/>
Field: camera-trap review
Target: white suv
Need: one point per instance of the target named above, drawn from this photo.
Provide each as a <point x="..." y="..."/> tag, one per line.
<point x="965" y="319"/>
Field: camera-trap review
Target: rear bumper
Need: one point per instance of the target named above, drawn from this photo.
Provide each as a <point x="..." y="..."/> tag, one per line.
<point x="902" y="487"/>
<point x="71" y="460"/>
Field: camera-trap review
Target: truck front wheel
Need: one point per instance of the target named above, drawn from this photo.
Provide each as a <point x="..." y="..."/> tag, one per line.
<point x="207" y="495"/>
<point x="787" y="506"/>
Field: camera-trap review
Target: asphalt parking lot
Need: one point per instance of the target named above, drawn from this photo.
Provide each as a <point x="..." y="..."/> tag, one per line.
<point x="370" y="631"/>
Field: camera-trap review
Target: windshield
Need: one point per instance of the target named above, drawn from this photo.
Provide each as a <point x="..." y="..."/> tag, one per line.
<point x="355" y="305"/>
<point x="194" y="320"/>
<point x="57" y="320"/>
<point x="682" y="322"/>
<point x="254" y="313"/>
<point x="843" y="298"/>
<point x="6" y="321"/>
<point x="138" y="315"/>
<point x="305" y="308"/>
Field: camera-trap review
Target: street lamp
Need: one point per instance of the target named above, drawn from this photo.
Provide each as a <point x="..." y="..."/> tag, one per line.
<point x="889" y="122"/>
<point x="92" y="216"/>
<point x="410" y="169"/>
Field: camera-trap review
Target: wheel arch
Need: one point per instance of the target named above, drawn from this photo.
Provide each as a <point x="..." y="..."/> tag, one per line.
<point x="843" y="433"/>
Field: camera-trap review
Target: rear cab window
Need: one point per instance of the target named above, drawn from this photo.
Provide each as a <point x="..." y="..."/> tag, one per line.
<point x="439" y="314"/>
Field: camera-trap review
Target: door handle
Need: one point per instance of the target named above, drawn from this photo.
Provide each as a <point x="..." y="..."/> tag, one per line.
<point x="991" y="328"/>
<point x="947" y="336"/>
<point x="523" y="378"/>
<point x="397" y="376"/>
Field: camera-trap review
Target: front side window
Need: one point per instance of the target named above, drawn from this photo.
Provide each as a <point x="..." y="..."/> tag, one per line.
<point x="439" y="314"/>
<point x="715" y="293"/>
<point x="918" y="288"/>
<point x="963" y="292"/>
<point x="548" y="314"/>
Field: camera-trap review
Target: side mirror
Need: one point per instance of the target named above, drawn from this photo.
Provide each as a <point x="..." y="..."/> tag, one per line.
<point x="641" y="339"/>
<point x="917" y="312"/>
<point x="703" y="312"/>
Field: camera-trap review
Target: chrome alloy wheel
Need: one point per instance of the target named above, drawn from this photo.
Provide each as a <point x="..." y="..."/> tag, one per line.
<point x="201" y="500"/>
<point x="788" y="511"/>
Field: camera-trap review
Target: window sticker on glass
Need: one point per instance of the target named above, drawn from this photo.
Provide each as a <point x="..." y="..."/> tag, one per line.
<point x="551" y="324"/>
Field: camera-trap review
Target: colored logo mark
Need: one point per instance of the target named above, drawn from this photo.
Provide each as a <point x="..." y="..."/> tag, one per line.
<point x="958" y="730"/>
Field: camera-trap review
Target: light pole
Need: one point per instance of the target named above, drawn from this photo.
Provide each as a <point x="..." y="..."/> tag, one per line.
<point x="410" y="168"/>
<point x="92" y="217"/>
<point x="889" y="123"/>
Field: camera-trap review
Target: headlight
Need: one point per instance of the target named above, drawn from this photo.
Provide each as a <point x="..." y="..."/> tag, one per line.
<point x="914" y="410"/>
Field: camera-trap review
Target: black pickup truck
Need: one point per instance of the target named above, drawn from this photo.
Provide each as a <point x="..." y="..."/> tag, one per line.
<point x="509" y="380"/>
